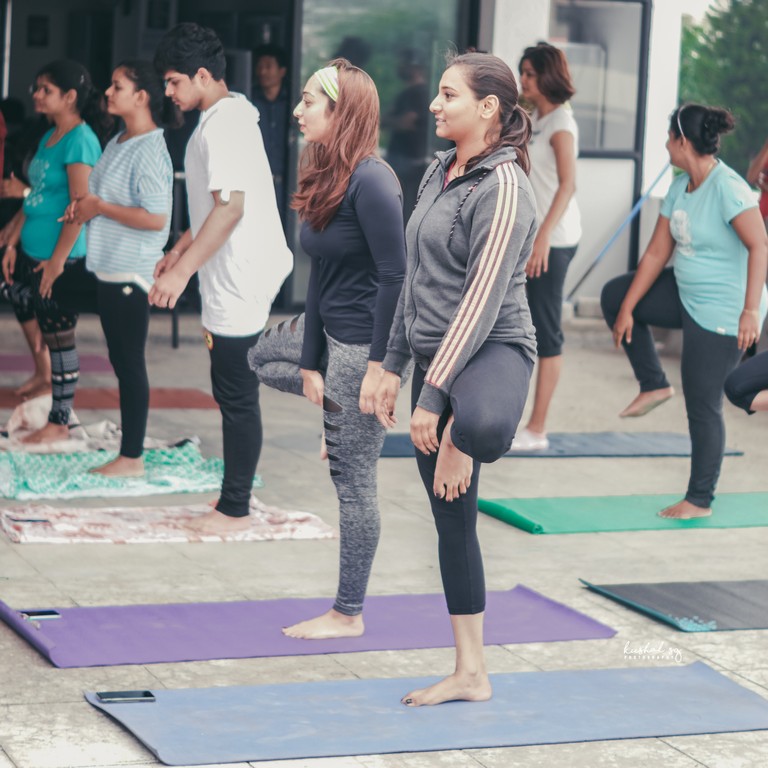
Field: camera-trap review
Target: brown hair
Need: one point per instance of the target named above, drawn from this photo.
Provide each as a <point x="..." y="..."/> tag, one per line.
<point x="553" y="78"/>
<point x="488" y="75"/>
<point x="354" y="135"/>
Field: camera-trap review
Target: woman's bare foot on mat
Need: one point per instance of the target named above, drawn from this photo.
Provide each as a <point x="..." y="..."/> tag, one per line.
<point x="330" y="624"/>
<point x="646" y="402"/>
<point x="122" y="466"/>
<point x="215" y="523"/>
<point x="453" y="471"/>
<point x="50" y="433"/>
<point x="34" y="386"/>
<point x="455" y="687"/>
<point x="684" y="510"/>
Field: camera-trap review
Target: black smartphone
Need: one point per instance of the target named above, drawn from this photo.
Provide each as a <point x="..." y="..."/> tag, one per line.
<point x="112" y="697"/>
<point x="38" y="615"/>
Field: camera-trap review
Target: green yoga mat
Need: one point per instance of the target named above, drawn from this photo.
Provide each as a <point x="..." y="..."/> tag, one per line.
<point x="174" y="469"/>
<point x="589" y="514"/>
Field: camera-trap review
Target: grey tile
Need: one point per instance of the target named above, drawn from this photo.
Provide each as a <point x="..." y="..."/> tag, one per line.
<point x="725" y="750"/>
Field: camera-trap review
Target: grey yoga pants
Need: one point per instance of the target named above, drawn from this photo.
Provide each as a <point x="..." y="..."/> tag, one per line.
<point x="353" y="439"/>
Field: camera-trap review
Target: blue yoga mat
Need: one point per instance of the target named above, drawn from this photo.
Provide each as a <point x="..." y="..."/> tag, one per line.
<point x="196" y="726"/>
<point x="564" y="445"/>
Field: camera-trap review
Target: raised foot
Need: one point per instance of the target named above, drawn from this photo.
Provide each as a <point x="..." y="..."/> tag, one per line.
<point x="215" y="523"/>
<point x="684" y="510"/>
<point x="645" y="402"/>
<point x="330" y="624"/>
<point x="453" y="470"/>
<point x="455" y="687"/>
<point x="34" y="386"/>
<point x="122" y="466"/>
<point x="50" y="433"/>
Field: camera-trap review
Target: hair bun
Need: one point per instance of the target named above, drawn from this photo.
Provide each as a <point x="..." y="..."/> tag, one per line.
<point x="717" y="121"/>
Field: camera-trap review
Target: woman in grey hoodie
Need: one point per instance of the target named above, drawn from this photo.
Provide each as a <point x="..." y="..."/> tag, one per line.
<point x="464" y="318"/>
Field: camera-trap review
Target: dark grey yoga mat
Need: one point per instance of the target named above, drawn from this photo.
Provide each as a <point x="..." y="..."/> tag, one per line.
<point x="364" y="717"/>
<point x="696" y="606"/>
<point x="564" y="445"/>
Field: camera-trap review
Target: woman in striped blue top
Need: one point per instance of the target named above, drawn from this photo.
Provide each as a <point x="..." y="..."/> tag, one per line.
<point x="128" y="210"/>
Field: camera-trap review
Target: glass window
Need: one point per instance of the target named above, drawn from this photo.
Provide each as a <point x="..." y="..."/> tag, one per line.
<point x="601" y="40"/>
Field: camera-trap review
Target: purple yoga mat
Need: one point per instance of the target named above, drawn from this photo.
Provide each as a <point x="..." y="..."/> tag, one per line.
<point x="23" y="363"/>
<point x="146" y="634"/>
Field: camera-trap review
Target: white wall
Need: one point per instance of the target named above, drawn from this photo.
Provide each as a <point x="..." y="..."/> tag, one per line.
<point x="516" y="25"/>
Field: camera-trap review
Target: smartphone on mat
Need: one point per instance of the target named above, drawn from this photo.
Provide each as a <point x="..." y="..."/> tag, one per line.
<point x="124" y="696"/>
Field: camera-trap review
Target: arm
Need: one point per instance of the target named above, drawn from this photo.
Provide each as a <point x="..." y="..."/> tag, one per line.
<point x="757" y="165"/>
<point x="379" y="209"/>
<point x="563" y="145"/>
<point x="654" y="259"/>
<point x="751" y="231"/>
<point x="217" y="227"/>
<point x="314" y="341"/>
<point x="77" y="175"/>
<point x="171" y="257"/>
<point x="92" y="205"/>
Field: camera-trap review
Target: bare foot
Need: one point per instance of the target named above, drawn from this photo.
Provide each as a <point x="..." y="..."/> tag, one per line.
<point x="455" y="687"/>
<point x="34" y="386"/>
<point x="646" y="402"/>
<point x="323" y="448"/>
<point x="684" y="510"/>
<point x="453" y="471"/>
<point x="215" y="523"/>
<point x="330" y="624"/>
<point x="50" y="433"/>
<point x="122" y="466"/>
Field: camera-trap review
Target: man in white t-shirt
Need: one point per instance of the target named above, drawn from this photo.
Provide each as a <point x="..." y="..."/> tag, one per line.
<point x="235" y="243"/>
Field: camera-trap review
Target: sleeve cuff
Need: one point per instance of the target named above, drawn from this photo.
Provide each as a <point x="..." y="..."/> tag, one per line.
<point x="396" y="362"/>
<point x="432" y="399"/>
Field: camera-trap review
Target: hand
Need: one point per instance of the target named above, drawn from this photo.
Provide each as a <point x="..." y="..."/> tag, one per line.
<point x="5" y="234"/>
<point x="12" y="187"/>
<point x="68" y="217"/>
<point x="167" y="288"/>
<point x="424" y="430"/>
<point x="86" y="208"/>
<point x="385" y="397"/>
<point x="369" y="386"/>
<point x="9" y="263"/>
<point x="762" y="180"/>
<point x="167" y="263"/>
<point x="749" y="328"/>
<point x="314" y="386"/>
<point x="538" y="263"/>
<point x="51" y="270"/>
<point x="622" y="328"/>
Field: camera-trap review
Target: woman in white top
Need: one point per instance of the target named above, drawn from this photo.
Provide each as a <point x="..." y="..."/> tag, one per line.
<point x="128" y="210"/>
<point x="546" y="85"/>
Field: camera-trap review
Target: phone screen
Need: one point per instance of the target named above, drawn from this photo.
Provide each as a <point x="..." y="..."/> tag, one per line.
<point x="125" y="696"/>
<point x="38" y="615"/>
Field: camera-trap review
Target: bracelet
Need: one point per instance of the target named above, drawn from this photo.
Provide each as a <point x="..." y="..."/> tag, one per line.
<point x="175" y="251"/>
<point x="752" y="311"/>
<point x="10" y="245"/>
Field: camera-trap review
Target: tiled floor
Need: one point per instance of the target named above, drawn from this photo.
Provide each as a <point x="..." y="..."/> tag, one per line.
<point x="45" y="723"/>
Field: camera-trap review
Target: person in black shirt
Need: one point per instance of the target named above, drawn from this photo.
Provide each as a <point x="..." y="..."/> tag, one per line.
<point x="352" y="227"/>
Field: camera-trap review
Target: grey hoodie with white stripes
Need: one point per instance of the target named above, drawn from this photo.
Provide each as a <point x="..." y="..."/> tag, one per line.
<point x="468" y="244"/>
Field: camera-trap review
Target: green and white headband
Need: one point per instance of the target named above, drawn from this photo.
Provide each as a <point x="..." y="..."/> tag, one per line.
<point x="328" y="77"/>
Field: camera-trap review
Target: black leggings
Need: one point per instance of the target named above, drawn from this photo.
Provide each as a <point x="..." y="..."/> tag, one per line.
<point x="707" y="360"/>
<point x="74" y="291"/>
<point x="487" y="401"/>
<point x="747" y="381"/>
<point x="124" y="313"/>
<point x="236" y="391"/>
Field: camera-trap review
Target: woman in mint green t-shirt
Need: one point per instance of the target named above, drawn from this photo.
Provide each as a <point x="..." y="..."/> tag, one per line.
<point x="715" y="292"/>
<point x="51" y="263"/>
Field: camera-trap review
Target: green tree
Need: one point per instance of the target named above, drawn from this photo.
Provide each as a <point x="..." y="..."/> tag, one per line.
<point x="725" y="63"/>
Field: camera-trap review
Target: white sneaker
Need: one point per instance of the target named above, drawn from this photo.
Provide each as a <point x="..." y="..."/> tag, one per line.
<point x="525" y="440"/>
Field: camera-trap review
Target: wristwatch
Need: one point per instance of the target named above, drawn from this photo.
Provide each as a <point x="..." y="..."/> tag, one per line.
<point x="25" y="193"/>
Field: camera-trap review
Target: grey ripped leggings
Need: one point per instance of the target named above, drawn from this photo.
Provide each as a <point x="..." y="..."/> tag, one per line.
<point x="354" y="442"/>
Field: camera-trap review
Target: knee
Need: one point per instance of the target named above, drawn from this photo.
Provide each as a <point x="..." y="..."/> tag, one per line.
<point x="611" y="297"/>
<point x="487" y="438"/>
<point x="735" y="393"/>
